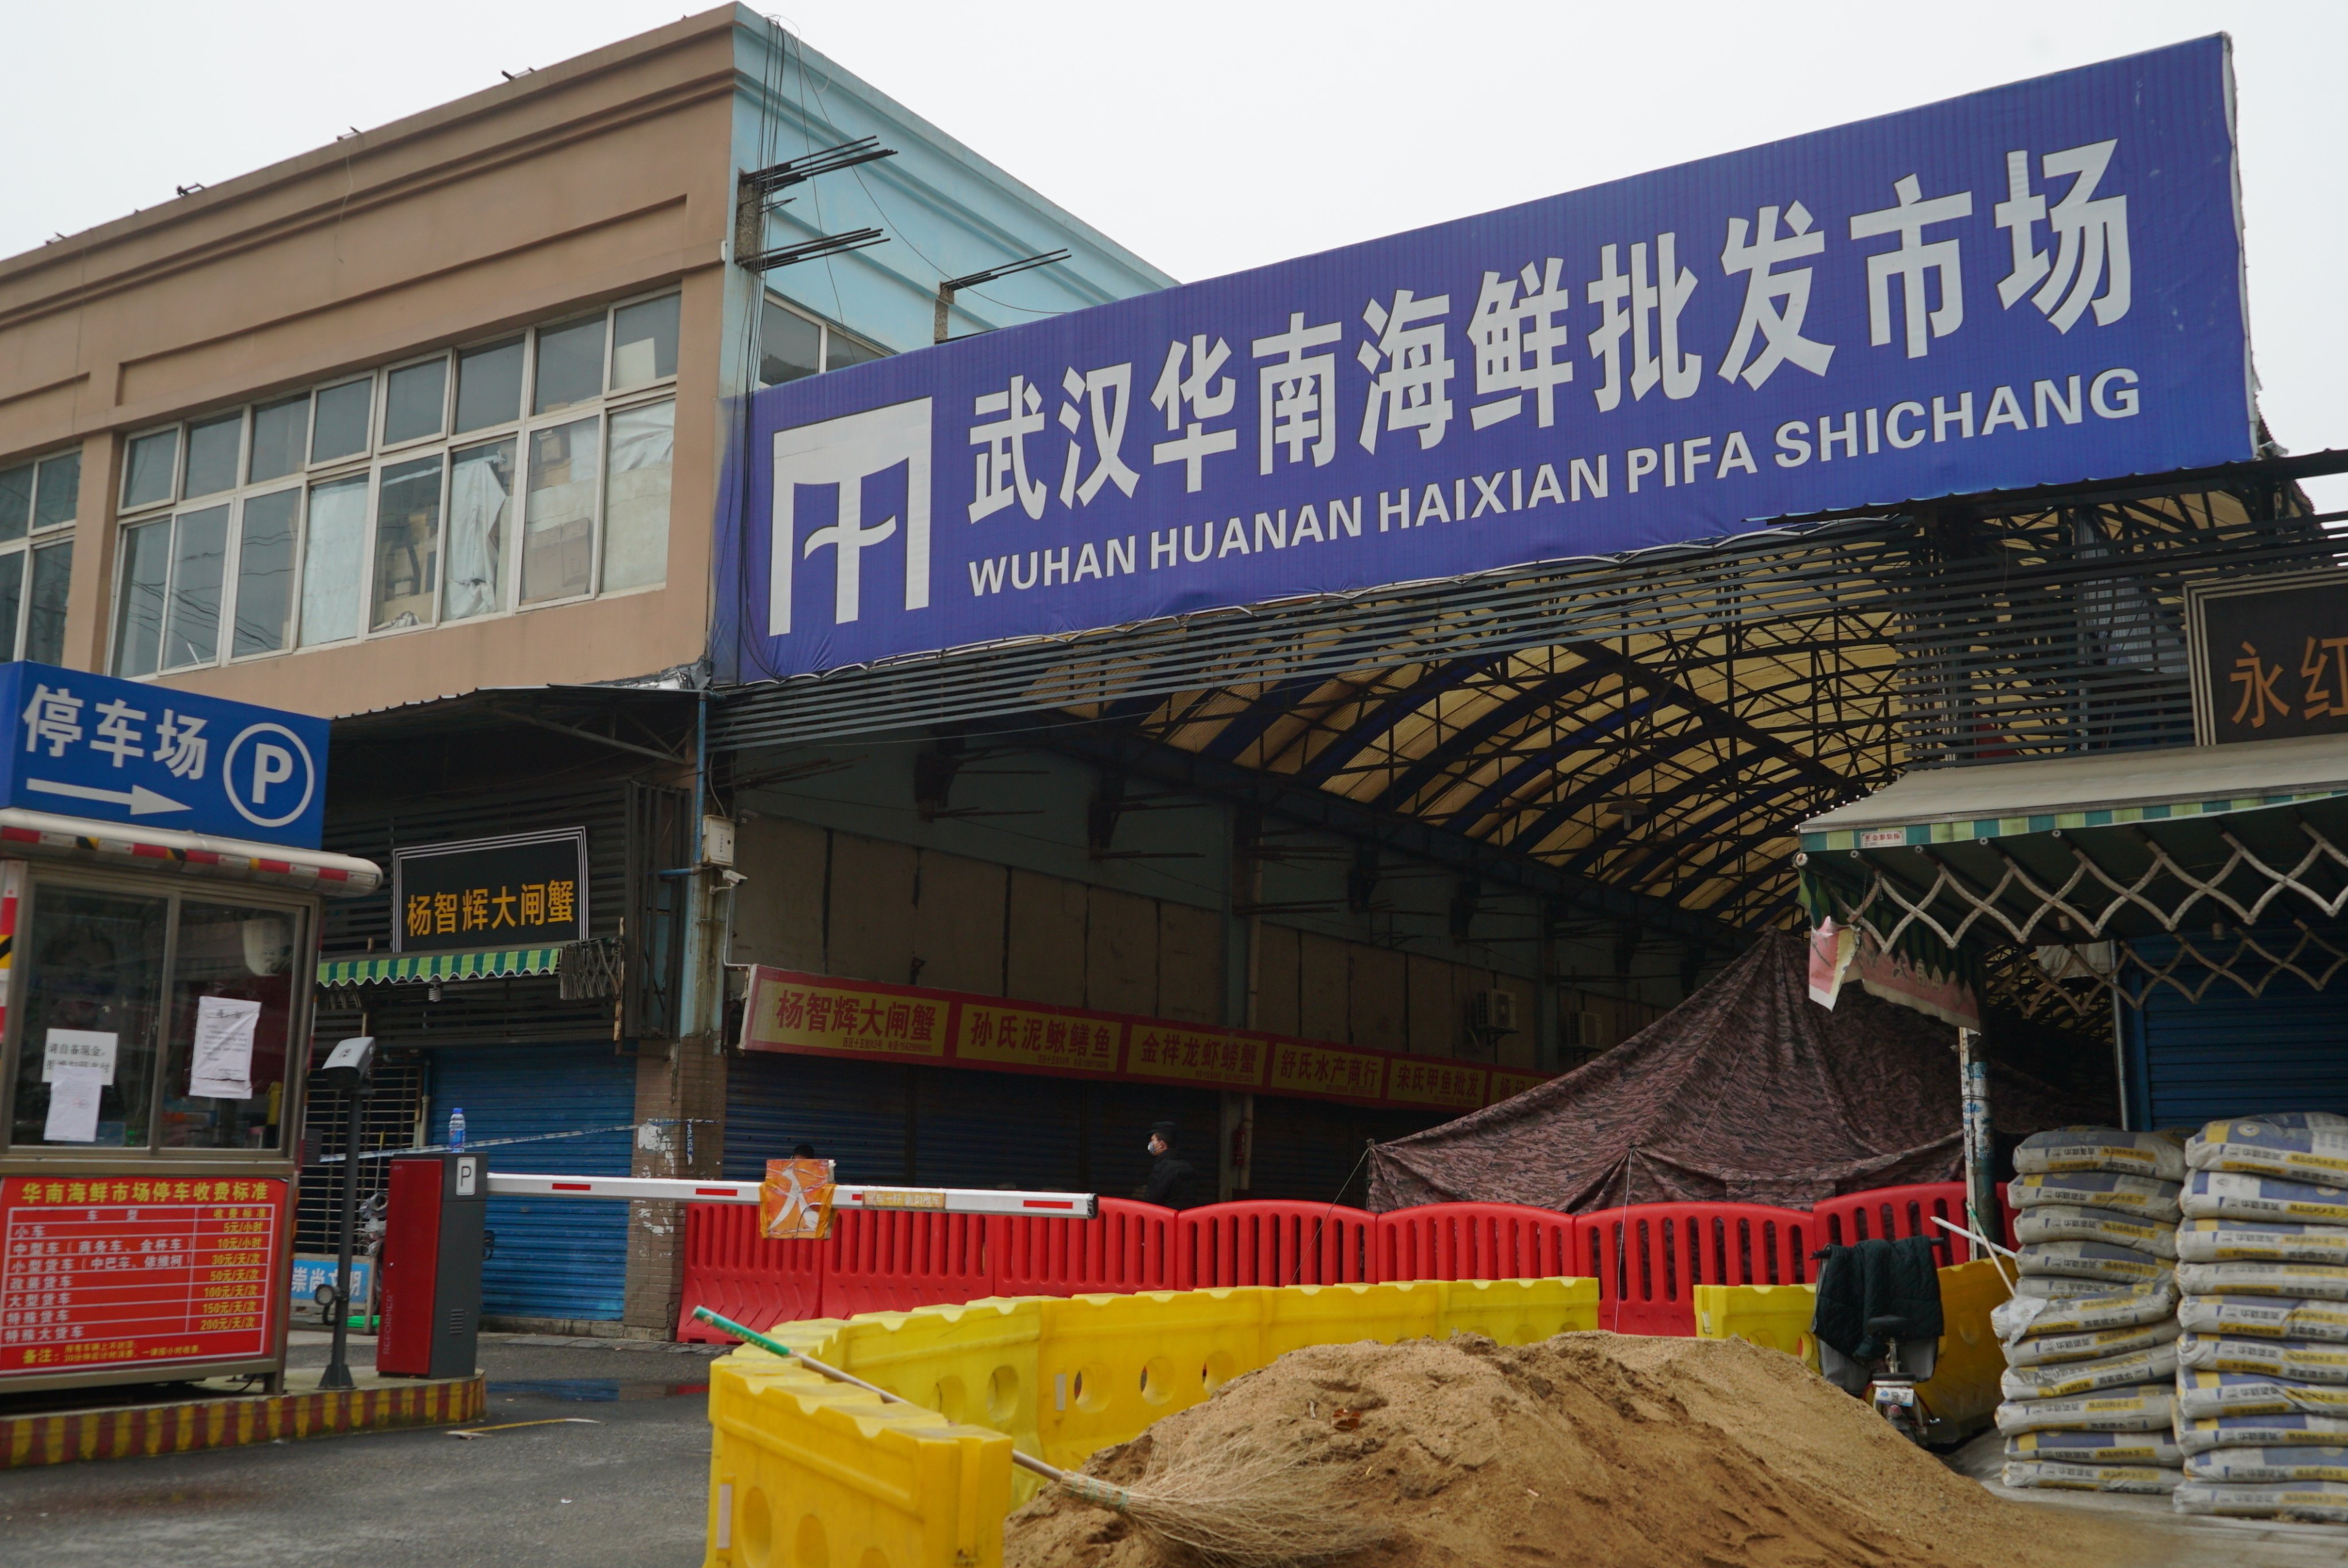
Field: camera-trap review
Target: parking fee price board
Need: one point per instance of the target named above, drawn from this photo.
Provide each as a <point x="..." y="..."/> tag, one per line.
<point x="124" y="751"/>
<point x="117" y="1271"/>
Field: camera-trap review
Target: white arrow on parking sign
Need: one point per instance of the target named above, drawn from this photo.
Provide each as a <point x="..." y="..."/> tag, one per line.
<point x="142" y="800"/>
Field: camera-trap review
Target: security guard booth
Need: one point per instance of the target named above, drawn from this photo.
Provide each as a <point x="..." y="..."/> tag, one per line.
<point x="156" y="972"/>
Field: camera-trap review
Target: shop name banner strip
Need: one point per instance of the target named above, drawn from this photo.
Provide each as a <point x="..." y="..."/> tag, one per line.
<point x="2036" y="284"/>
<point x="814" y="1015"/>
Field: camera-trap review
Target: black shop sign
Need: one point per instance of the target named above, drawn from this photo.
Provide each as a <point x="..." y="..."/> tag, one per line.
<point x="2270" y="658"/>
<point x="527" y="890"/>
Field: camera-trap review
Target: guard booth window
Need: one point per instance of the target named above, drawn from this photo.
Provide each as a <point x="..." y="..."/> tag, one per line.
<point x="99" y="963"/>
<point x="240" y="954"/>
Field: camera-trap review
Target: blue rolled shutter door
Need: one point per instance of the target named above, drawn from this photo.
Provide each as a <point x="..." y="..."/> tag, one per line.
<point x="2235" y="1055"/>
<point x="854" y="1112"/>
<point x="555" y="1257"/>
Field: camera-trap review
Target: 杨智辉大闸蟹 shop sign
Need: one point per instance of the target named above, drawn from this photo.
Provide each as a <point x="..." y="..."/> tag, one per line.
<point x="524" y="890"/>
<point x="2036" y="284"/>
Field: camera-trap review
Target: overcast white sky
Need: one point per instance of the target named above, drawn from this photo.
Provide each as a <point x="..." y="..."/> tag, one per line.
<point x="1213" y="136"/>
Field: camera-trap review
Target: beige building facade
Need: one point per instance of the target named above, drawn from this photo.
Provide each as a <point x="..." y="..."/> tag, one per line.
<point x="440" y="406"/>
<point x="426" y="431"/>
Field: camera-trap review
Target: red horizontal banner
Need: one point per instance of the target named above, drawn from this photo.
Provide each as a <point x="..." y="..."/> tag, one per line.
<point x="819" y="1015"/>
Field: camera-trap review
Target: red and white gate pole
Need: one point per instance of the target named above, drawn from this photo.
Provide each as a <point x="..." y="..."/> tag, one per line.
<point x="845" y="1195"/>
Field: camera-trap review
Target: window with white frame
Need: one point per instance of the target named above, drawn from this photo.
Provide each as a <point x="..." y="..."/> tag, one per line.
<point x="496" y="476"/>
<point x="792" y="344"/>
<point x="38" y="500"/>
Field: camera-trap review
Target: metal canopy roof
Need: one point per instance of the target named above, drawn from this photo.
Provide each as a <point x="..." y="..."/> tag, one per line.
<point x="1657" y="725"/>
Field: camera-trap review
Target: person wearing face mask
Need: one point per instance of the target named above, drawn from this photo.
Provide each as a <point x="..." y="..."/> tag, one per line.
<point x="1172" y="1180"/>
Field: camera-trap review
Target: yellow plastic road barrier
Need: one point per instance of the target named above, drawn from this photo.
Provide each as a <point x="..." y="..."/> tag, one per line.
<point x="1776" y="1315"/>
<point x="1965" y="1382"/>
<point x="804" y="1471"/>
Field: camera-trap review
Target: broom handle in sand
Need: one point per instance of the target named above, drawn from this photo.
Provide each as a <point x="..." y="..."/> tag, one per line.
<point x="1083" y="1486"/>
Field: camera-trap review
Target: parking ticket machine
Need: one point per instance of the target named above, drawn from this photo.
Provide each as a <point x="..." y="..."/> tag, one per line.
<point x="432" y="1248"/>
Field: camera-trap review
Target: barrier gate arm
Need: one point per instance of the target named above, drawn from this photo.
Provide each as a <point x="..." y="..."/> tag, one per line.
<point x="684" y="1189"/>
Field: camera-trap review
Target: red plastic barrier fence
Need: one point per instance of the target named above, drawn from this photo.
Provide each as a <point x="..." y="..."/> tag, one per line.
<point x="1889" y="1213"/>
<point x="733" y="1270"/>
<point x="1472" y="1241"/>
<point x="1267" y="1241"/>
<point x="1648" y="1258"/>
<point x="891" y="1260"/>
<point x="1130" y="1247"/>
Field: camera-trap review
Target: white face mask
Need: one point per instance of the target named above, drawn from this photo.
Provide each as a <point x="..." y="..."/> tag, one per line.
<point x="1154" y="1146"/>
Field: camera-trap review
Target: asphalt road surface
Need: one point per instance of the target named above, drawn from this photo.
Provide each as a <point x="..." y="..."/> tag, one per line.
<point x="626" y="1492"/>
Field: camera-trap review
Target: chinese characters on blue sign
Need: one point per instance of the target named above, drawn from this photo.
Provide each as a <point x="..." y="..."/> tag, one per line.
<point x="94" y="746"/>
<point x="2037" y="284"/>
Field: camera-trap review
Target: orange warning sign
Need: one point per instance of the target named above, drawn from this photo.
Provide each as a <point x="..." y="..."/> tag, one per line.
<point x="795" y="1200"/>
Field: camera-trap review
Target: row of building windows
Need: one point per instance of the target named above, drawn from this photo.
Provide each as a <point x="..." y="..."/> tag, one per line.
<point x="792" y="346"/>
<point x="527" y="471"/>
<point x="38" y="504"/>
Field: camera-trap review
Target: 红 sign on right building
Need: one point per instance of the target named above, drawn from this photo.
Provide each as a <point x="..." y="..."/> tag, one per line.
<point x="2270" y="657"/>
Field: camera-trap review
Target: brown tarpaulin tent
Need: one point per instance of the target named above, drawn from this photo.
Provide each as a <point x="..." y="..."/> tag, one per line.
<point x="1747" y="1092"/>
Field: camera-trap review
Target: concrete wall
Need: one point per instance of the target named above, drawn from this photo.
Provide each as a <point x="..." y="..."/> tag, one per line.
<point x="995" y="890"/>
<point x="834" y="903"/>
<point x="830" y="902"/>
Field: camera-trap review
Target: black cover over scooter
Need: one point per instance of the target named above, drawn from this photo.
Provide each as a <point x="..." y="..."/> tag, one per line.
<point x="1876" y="1279"/>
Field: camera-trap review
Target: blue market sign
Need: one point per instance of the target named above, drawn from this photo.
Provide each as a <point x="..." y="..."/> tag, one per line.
<point x="2036" y="284"/>
<point x="150" y="755"/>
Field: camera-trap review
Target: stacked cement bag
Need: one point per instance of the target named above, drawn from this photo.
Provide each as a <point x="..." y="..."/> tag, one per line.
<point x="2091" y="1331"/>
<point x="2263" y="1363"/>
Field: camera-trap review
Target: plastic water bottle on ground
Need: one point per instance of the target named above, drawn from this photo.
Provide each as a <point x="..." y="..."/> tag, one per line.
<point x="457" y="1127"/>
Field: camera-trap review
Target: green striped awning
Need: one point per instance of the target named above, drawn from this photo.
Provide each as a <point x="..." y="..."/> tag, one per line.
<point x="418" y="967"/>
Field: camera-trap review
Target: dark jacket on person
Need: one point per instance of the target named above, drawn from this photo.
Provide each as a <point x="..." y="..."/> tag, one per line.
<point x="1172" y="1182"/>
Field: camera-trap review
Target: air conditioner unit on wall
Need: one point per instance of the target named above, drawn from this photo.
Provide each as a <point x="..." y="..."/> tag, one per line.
<point x="1584" y="1031"/>
<point x="1492" y="1012"/>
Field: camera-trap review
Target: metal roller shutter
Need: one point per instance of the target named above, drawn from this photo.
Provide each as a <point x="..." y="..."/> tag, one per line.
<point x="1311" y="1150"/>
<point x="554" y="1258"/>
<point x="854" y="1112"/>
<point x="999" y="1129"/>
<point x="2233" y="1055"/>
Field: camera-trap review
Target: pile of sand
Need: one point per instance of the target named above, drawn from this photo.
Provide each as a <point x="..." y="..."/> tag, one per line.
<point x="1597" y="1448"/>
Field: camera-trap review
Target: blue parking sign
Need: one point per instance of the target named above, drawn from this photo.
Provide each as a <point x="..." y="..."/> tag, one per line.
<point x="148" y="756"/>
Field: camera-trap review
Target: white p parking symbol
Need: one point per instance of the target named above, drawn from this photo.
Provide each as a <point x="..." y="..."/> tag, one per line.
<point x="271" y="764"/>
<point x="269" y="775"/>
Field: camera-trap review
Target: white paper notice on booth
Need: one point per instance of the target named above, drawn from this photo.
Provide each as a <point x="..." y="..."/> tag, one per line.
<point x="79" y="1048"/>
<point x="223" y="1060"/>
<point x="74" y="1094"/>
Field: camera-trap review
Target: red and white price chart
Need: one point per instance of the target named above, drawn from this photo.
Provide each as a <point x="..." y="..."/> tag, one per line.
<point x="104" y="1270"/>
